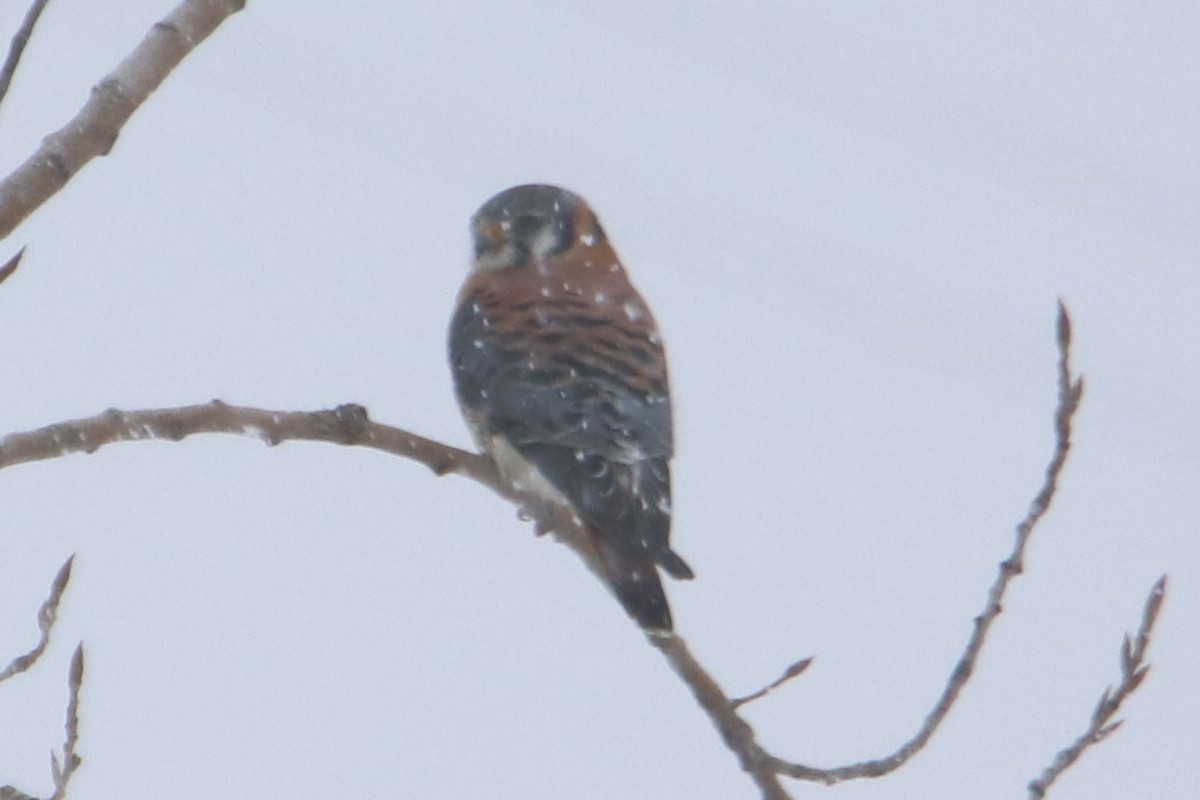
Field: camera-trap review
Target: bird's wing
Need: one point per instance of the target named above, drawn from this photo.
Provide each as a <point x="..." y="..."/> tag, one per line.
<point x="551" y="372"/>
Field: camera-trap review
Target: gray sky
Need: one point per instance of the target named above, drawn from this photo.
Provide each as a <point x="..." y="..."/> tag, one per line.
<point x="852" y="222"/>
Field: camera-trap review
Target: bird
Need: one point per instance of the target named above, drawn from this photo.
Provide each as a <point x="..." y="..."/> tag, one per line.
<point x="560" y="372"/>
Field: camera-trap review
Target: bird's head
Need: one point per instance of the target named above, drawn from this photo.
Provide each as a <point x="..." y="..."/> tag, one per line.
<point x="530" y="223"/>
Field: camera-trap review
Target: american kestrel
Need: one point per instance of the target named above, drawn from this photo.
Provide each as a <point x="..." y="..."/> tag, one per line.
<point x="560" y="372"/>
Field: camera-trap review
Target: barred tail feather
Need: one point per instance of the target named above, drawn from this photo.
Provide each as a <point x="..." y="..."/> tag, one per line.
<point x="636" y="583"/>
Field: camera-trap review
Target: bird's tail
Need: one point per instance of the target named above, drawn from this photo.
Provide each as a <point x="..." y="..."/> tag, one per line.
<point x="635" y="580"/>
<point x="675" y="566"/>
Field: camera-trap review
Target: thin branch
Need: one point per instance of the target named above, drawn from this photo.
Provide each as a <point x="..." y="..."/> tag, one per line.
<point x="735" y="731"/>
<point x="93" y="131"/>
<point x="793" y="670"/>
<point x="346" y="425"/>
<point x="62" y="771"/>
<point x="349" y="425"/>
<point x="1070" y="391"/>
<point x="47" y="615"/>
<point x="11" y="265"/>
<point x="17" y="48"/>
<point x="1133" y="672"/>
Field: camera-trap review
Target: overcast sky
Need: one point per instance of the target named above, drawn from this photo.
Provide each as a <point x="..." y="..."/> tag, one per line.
<point x="852" y="220"/>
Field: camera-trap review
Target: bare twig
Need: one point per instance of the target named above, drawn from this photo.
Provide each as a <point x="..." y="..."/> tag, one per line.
<point x="19" y="40"/>
<point x="93" y="131"/>
<point x="349" y="425"/>
<point x="739" y="736"/>
<point x="792" y="671"/>
<point x="11" y="265"/>
<point x="47" y="615"/>
<point x="62" y="771"/>
<point x="1070" y="391"/>
<point x="735" y="731"/>
<point x="1133" y="672"/>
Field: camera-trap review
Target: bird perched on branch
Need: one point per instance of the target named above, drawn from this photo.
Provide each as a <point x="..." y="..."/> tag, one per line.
<point x="560" y="373"/>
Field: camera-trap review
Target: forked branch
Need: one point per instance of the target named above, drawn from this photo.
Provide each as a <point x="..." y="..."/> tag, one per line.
<point x="763" y="766"/>
<point x="61" y="768"/>
<point x="1133" y="671"/>
<point x="350" y="425"/>
<point x="46" y="617"/>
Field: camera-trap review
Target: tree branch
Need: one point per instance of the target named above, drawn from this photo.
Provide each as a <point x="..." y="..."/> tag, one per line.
<point x="60" y="771"/>
<point x="738" y="734"/>
<point x="11" y="265"/>
<point x="93" y="131"/>
<point x="1070" y="392"/>
<point x="794" y="670"/>
<point x="350" y="425"/>
<point x="1133" y="672"/>
<point x="17" y="47"/>
<point x="346" y="425"/>
<point x="47" y="616"/>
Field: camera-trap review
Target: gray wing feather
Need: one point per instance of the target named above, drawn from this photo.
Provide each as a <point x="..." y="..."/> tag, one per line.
<point x="547" y="401"/>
